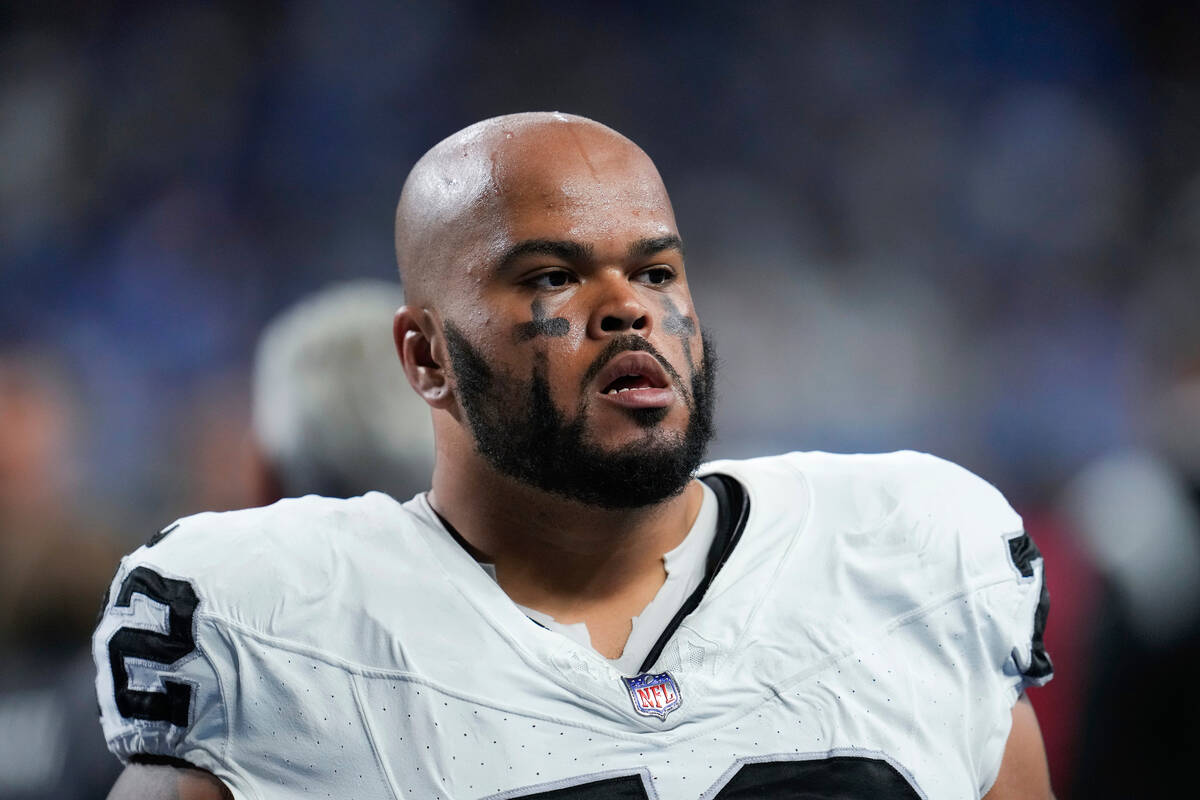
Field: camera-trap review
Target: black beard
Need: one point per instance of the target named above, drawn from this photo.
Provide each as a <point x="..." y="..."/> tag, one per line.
<point x="522" y="434"/>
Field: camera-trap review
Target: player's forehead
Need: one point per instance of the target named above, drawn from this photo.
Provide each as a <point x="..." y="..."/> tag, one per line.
<point x="573" y="160"/>
<point x="484" y="190"/>
<point x="536" y="174"/>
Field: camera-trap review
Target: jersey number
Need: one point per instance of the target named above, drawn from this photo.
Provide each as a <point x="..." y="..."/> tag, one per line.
<point x="173" y="704"/>
<point x="830" y="778"/>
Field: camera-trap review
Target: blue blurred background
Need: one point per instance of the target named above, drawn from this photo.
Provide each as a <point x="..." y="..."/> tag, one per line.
<point x="968" y="228"/>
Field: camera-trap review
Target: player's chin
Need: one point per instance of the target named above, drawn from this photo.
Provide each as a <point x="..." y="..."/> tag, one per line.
<point x="616" y="428"/>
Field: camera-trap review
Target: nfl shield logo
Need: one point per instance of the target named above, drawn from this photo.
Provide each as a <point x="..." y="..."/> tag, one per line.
<point x="653" y="695"/>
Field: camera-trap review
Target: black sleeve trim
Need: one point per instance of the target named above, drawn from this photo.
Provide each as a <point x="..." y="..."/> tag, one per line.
<point x="1040" y="666"/>
<point x="1024" y="551"/>
<point x="162" y="534"/>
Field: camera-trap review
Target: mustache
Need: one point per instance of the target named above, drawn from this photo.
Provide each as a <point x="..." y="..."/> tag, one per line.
<point x="624" y="344"/>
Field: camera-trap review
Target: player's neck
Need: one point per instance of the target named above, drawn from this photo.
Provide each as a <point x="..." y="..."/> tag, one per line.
<point x="555" y="554"/>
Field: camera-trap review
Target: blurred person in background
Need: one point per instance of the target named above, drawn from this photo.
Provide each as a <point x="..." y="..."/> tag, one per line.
<point x="886" y="610"/>
<point x="333" y="414"/>
<point x="54" y="561"/>
<point x="1136" y="511"/>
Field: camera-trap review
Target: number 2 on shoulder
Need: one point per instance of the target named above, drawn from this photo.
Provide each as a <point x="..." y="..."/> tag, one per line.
<point x="172" y="705"/>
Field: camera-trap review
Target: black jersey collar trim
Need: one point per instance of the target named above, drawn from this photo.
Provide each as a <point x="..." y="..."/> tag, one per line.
<point x="461" y="542"/>
<point x="733" y="509"/>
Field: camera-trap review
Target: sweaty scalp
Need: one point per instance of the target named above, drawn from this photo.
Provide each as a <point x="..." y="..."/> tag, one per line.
<point x="455" y="194"/>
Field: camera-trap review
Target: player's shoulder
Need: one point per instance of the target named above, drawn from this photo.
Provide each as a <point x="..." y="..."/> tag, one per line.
<point x="937" y="486"/>
<point x="243" y="561"/>
<point x="818" y="462"/>
<point x="867" y="480"/>
<point x="290" y="529"/>
<point x="881" y="505"/>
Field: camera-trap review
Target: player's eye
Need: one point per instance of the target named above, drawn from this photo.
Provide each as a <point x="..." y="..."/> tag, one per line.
<point x="551" y="279"/>
<point x="657" y="275"/>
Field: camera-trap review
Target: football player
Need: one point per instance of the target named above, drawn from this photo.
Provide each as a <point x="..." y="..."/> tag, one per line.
<point x="578" y="608"/>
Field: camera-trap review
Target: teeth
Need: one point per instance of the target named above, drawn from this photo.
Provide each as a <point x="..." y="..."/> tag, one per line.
<point x="628" y="389"/>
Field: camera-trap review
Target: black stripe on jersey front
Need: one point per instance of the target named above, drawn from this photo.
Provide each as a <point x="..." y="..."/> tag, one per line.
<point x="834" y="778"/>
<point x="625" y="787"/>
<point x="733" y="509"/>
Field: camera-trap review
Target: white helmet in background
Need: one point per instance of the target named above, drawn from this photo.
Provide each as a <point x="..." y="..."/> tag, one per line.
<point x="333" y="412"/>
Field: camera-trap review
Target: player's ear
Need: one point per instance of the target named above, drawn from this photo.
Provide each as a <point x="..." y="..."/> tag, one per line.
<point x="416" y="343"/>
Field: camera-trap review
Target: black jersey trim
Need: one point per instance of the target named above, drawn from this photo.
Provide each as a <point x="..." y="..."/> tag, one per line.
<point x="162" y="534"/>
<point x="458" y="538"/>
<point x="453" y="531"/>
<point x="1024" y="551"/>
<point x="733" y="509"/>
<point x="1040" y="665"/>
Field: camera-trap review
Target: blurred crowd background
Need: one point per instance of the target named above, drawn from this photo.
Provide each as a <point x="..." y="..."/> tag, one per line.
<point x="968" y="228"/>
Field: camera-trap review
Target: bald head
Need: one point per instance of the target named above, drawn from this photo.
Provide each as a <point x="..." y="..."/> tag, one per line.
<point x="454" y="210"/>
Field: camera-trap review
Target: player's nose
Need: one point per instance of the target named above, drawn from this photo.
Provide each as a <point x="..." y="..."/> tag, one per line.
<point x="618" y="309"/>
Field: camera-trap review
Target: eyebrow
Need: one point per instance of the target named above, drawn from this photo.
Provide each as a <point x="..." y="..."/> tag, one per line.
<point x="572" y="251"/>
<point x="565" y="249"/>
<point x="644" y="248"/>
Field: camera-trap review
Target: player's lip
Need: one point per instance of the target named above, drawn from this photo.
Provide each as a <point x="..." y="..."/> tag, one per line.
<point x="635" y="380"/>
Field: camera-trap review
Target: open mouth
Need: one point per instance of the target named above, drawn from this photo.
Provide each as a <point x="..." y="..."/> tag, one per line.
<point x="629" y="383"/>
<point x="635" y="379"/>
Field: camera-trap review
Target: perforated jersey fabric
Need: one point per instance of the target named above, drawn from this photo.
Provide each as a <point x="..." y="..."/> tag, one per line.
<point x="866" y="637"/>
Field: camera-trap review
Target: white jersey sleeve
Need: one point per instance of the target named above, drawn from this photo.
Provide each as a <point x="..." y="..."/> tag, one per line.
<point x="1006" y="566"/>
<point x="983" y="544"/>
<point x="935" y="564"/>
<point x="221" y="637"/>
<point x="158" y="679"/>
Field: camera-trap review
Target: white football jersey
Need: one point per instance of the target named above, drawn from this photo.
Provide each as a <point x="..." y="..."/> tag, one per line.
<point x="868" y="624"/>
